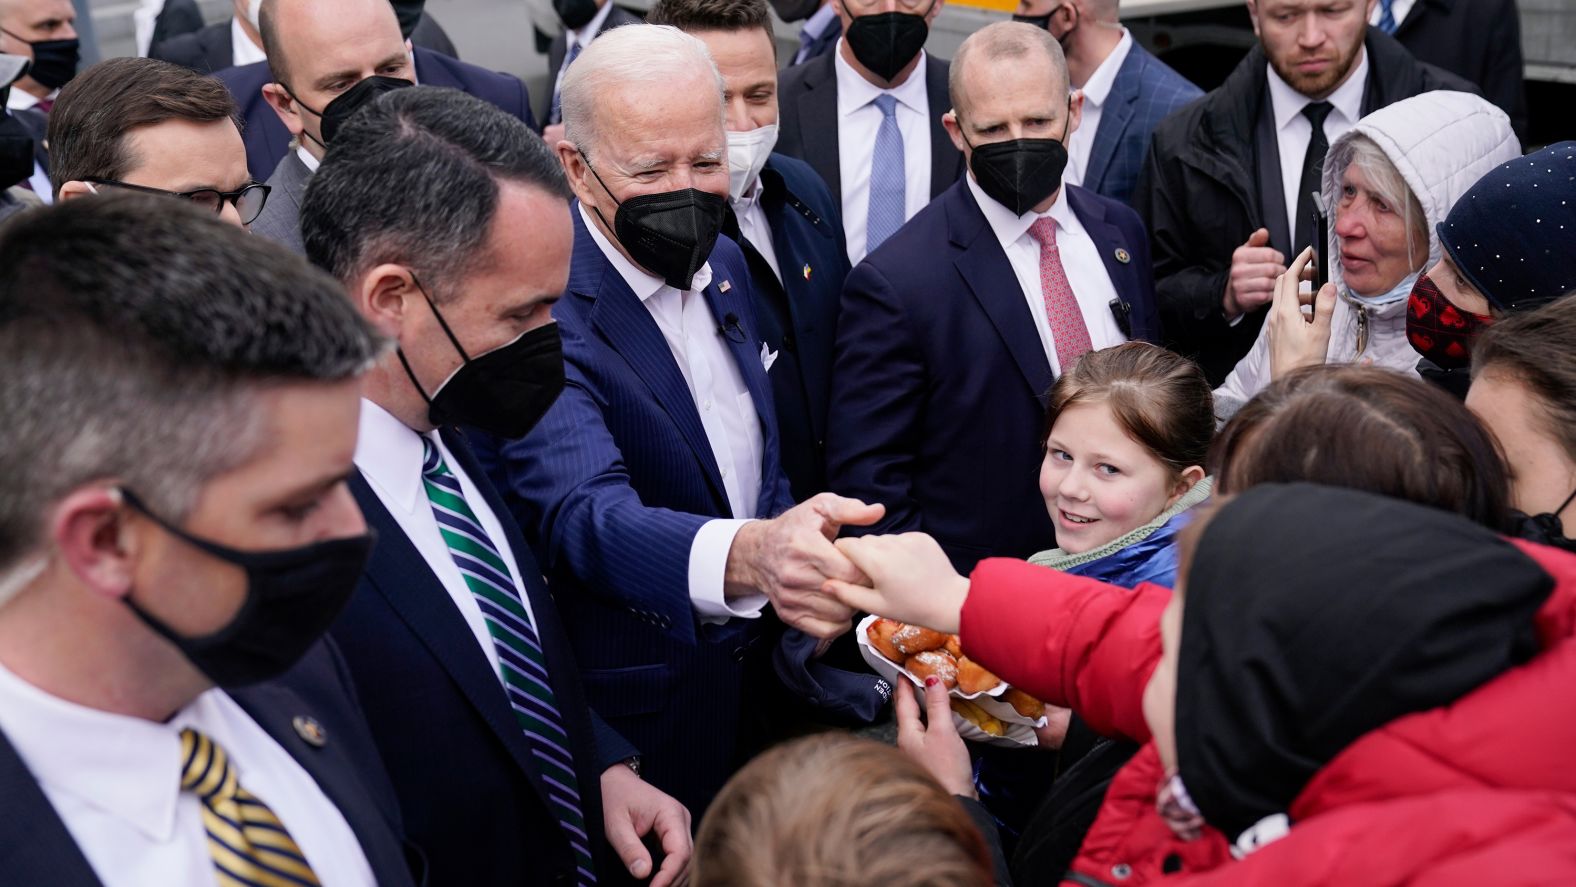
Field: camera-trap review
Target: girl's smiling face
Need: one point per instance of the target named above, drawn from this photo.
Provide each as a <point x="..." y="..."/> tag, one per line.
<point x="1099" y="484"/>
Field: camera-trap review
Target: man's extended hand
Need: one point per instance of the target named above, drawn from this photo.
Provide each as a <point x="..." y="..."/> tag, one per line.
<point x="789" y="557"/>
<point x="632" y="808"/>
<point x="1251" y="282"/>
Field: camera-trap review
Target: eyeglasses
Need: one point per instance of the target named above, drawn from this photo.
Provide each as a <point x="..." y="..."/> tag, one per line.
<point x="248" y="201"/>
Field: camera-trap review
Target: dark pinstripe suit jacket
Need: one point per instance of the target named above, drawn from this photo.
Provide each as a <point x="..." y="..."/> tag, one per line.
<point x="611" y="488"/>
<point x="1146" y="91"/>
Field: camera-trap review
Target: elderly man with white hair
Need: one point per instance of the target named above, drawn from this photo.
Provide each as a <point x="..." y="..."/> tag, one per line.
<point x="653" y="486"/>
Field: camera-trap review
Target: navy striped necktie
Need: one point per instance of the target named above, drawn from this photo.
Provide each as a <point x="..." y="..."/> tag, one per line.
<point x="520" y="657"/>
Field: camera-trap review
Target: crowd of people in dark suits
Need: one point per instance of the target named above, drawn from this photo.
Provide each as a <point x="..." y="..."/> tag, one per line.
<point x="439" y="491"/>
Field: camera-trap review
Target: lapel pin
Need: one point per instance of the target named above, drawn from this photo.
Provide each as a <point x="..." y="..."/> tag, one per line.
<point x="1123" y="256"/>
<point x="310" y="731"/>
<point x="806" y="270"/>
<point x="724" y="286"/>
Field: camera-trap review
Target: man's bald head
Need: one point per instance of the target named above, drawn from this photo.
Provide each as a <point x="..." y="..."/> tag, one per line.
<point x="285" y="25"/>
<point x="1014" y="42"/>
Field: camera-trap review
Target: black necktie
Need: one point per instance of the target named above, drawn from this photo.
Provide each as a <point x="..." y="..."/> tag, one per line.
<point x="1312" y="176"/>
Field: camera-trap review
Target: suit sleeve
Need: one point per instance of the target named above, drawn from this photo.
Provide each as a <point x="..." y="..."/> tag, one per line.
<point x="1188" y="294"/>
<point x="612" y="748"/>
<point x="875" y="414"/>
<point x="1068" y="640"/>
<point x="570" y="489"/>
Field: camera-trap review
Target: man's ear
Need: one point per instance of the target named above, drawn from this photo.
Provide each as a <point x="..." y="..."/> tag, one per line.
<point x="287" y="108"/>
<point x="577" y="171"/>
<point x="935" y="10"/>
<point x="949" y="122"/>
<point x="1074" y="112"/>
<point x="74" y="189"/>
<point x="90" y="534"/>
<point x="383" y="297"/>
<point x="1253" y="14"/>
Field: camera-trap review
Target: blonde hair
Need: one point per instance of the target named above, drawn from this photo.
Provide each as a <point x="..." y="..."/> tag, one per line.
<point x="835" y="811"/>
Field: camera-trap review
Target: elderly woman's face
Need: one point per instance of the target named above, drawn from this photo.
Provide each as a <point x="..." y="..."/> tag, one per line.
<point x="1377" y="251"/>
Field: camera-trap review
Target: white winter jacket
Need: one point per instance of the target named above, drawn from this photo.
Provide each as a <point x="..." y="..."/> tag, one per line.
<point x="1441" y="143"/>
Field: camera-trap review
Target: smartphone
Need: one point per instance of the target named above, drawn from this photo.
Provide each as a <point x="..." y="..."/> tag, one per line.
<point x="1321" y="241"/>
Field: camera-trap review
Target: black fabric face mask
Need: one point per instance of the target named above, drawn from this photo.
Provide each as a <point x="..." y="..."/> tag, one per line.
<point x="54" y="61"/>
<point x="575" y="13"/>
<point x="669" y="234"/>
<point x="1043" y="22"/>
<point x="292" y="596"/>
<point x="16" y="150"/>
<point x="1019" y="173"/>
<point x="504" y="392"/>
<point x="887" y="41"/>
<point x="1546" y="528"/>
<point x="408" y="13"/>
<point x="345" y="105"/>
<point x="794" y="10"/>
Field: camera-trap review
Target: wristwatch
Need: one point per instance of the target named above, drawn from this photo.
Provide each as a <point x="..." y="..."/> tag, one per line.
<point x="633" y="763"/>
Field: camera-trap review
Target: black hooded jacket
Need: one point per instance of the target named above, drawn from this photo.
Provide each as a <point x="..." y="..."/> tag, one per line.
<point x="1199" y="195"/>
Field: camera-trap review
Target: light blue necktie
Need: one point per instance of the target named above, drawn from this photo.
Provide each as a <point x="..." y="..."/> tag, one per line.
<point x="887" y="183"/>
<point x="520" y="654"/>
<point x="556" y="114"/>
<point x="1387" y="16"/>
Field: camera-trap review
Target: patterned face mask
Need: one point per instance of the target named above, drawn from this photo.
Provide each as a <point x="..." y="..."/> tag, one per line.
<point x="1439" y="330"/>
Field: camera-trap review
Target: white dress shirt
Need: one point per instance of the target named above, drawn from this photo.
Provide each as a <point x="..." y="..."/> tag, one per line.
<point x="580" y="37"/>
<point x="143" y="19"/>
<point x="1398" y="11"/>
<point x="18" y="100"/>
<point x="1095" y="92"/>
<point x="242" y="50"/>
<point x="115" y="782"/>
<point x="754" y="226"/>
<point x="727" y="413"/>
<point x="858" y="121"/>
<point x="815" y="26"/>
<point x="1080" y="261"/>
<point x="1293" y="131"/>
<point x="389" y="454"/>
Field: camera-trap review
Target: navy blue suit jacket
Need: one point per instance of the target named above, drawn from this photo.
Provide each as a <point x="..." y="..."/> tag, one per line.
<point x="938" y="391"/>
<point x="37" y="849"/>
<point x="798" y="316"/>
<point x="1145" y="92"/>
<point x="612" y="486"/>
<point x="471" y="792"/>
<point x="267" y="140"/>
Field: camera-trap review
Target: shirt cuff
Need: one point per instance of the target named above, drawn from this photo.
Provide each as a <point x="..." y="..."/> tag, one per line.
<point x="708" y="566"/>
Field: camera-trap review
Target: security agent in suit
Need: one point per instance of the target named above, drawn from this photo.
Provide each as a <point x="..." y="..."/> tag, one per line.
<point x="236" y="41"/>
<point x="867" y="118"/>
<point x="818" y="35"/>
<point x="1126" y="91"/>
<point x="453" y="622"/>
<point x="583" y="20"/>
<point x="952" y="333"/>
<point x="782" y="216"/>
<point x="344" y="41"/>
<point x="178" y="535"/>
<point x="1479" y="40"/>
<point x="652" y="489"/>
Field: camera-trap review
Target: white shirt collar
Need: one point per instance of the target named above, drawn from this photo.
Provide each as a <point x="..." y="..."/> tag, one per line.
<point x="747" y="200"/>
<point x="19" y="99"/>
<point x="1008" y="228"/>
<point x="97" y="756"/>
<point x="389" y="453"/>
<point x="1347" y="98"/>
<point x="822" y="19"/>
<point x="644" y="285"/>
<point x="855" y="92"/>
<point x="312" y="163"/>
<point x="589" y="29"/>
<point x="242" y="50"/>
<point x="1098" y="87"/>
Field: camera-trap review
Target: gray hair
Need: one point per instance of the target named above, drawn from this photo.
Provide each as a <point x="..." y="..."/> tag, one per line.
<point x="412" y="179"/>
<point x="1004" y="40"/>
<point x="136" y="335"/>
<point x="1384" y="179"/>
<point x="631" y="54"/>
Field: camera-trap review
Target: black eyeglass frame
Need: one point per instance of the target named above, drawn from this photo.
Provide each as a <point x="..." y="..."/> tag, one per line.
<point x="233" y="198"/>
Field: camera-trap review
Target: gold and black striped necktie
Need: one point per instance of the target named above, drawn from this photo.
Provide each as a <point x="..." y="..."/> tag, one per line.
<point x="249" y="845"/>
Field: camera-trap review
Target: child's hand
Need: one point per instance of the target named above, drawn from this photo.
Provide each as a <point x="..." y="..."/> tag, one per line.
<point x="911" y="580"/>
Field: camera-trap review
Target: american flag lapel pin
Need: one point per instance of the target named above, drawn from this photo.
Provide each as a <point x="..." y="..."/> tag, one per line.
<point x="724" y="286"/>
<point x="806" y="270"/>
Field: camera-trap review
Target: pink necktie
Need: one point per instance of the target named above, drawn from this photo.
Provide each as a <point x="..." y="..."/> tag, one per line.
<point x="1061" y="306"/>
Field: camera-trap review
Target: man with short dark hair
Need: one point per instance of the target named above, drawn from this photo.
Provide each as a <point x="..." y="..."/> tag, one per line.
<point x="784" y="218"/>
<point x="321" y="56"/>
<point x="1226" y="189"/>
<point x="867" y="117"/>
<point x="176" y="425"/>
<point x="460" y="267"/>
<point x="146" y="125"/>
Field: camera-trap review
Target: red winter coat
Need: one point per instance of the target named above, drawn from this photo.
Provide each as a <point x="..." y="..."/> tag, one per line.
<point x="1482" y="791"/>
